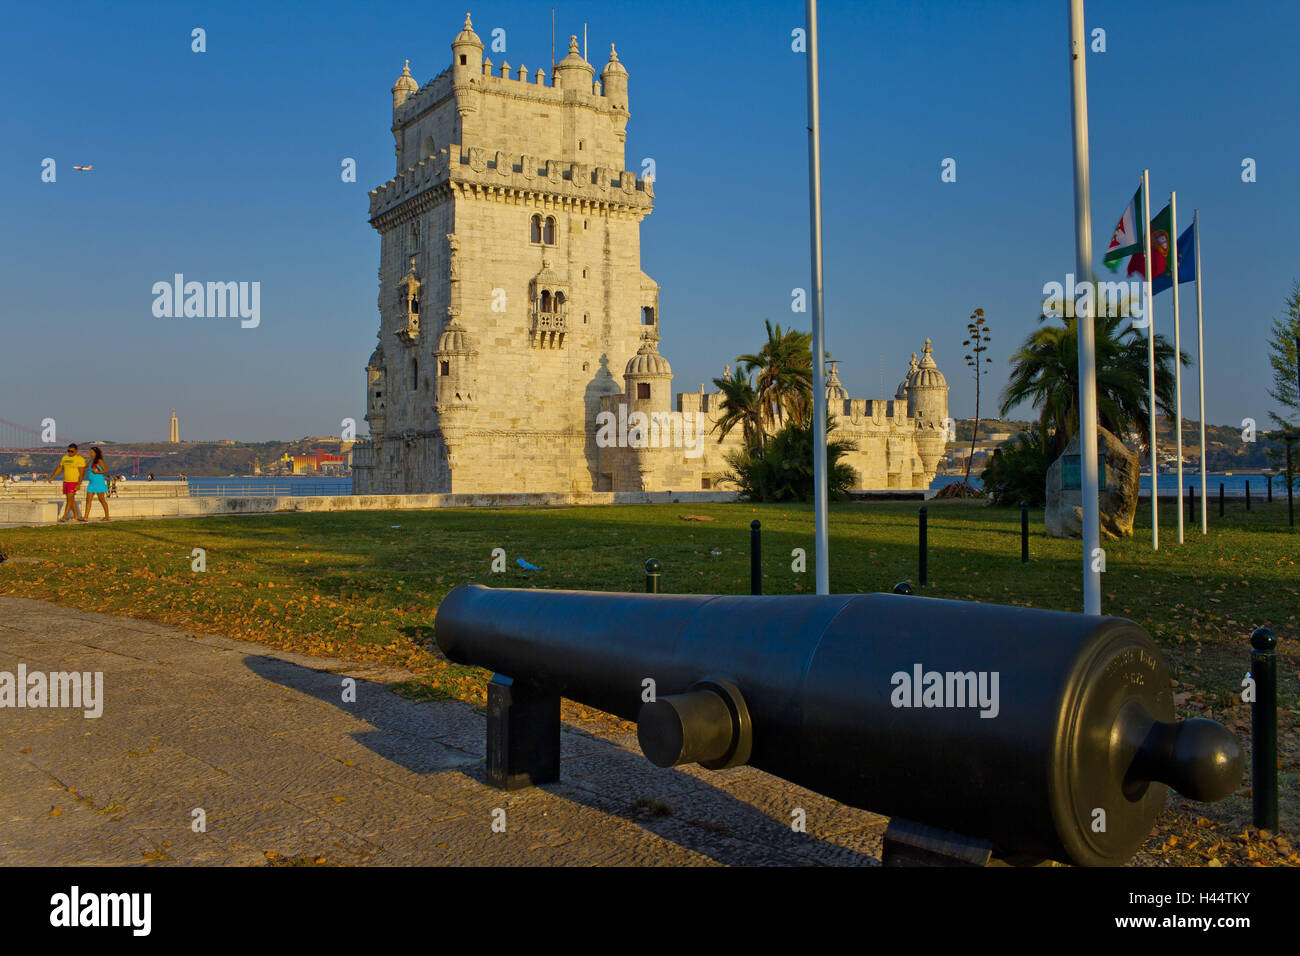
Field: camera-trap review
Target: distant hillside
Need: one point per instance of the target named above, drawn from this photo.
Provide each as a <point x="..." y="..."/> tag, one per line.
<point x="194" y="459"/>
<point x="1227" y="452"/>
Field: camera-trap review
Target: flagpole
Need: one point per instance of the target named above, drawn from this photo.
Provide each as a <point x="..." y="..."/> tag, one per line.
<point x="1178" y="353"/>
<point x="1084" y="318"/>
<point x="1151" y="360"/>
<point x="821" y="545"/>
<point x="1200" y="361"/>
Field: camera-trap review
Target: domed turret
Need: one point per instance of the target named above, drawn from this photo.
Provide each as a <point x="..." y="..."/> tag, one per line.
<point x="404" y="86"/>
<point x="466" y="68"/>
<point x="835" y="392"/>
<point x="614" y="80"/>
<point x="901" y="394"/>
<point x="647" y="362"/>
<point x="573" y="72"/>
<point x="376" y="401"/>
<point x="456" y="370"/>
<point x="927" y="403"/>
<point x="647" y="378"/>
<point x="926" y="374"/>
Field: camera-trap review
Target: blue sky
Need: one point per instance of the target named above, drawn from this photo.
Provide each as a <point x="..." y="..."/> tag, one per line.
<point x="225" y="165"/>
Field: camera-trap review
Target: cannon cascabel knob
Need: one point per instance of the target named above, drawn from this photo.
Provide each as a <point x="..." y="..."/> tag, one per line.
<point x="1199" y="758"/>
<point x="708" y="725"/>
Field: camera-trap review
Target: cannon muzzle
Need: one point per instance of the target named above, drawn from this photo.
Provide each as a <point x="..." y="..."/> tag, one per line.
<point x="1049" y="735"/>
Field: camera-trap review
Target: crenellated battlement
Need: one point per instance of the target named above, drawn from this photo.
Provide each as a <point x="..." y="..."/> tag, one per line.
<point x="528" y="175"/>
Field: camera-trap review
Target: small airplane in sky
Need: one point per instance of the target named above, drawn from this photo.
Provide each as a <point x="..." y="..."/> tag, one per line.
<point x="84" y="168"/>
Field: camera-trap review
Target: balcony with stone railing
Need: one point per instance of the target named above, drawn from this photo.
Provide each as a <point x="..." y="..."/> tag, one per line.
<point x="548" y="329"/>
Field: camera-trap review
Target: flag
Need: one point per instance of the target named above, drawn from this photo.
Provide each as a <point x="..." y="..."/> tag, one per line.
<point x="1161" y="227"/>
<point x="1186" y="262"/>
<point x="1126" y="240"/>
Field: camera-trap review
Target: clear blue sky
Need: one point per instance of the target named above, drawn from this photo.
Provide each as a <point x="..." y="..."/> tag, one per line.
<point x="225" y="165"/>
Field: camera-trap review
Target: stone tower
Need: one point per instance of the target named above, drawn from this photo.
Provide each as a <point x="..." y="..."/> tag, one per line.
<point x="927" y="403"/>
<point x="510" y="283"/>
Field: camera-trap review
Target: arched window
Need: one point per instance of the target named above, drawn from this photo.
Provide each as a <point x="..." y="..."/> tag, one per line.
<point x="559" y="302"/>
<point x="546" y="301"/>
<point x="548" y="231"/>
<point x="428" y="148"/>
<point x="647" y="315"/>
<point x="445" y="367"/>
<point x="536" y="235"/>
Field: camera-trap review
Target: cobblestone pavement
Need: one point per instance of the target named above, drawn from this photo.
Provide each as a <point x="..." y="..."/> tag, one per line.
<point x="283" y="770"/>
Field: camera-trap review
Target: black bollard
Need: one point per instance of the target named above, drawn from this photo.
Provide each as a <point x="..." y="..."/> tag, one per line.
<point x="1263" y="728"/>
<point x="1191" y="503"/>
<point x="921" y="557"/>
<point x="1220" y="499"/>
<point x="1248" y="496"/>
<point x="755" y="557"/>
<point x="1024" y="532"/>
<point x="1270" y="488"/>
<point x="652" y="569"/>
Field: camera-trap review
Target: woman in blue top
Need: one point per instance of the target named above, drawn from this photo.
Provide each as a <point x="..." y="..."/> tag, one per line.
<point x="97" y="483"/>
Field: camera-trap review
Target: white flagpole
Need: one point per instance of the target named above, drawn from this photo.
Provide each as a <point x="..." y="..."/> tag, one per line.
<point x="1151" y="361"/>
<point x="1178" y="351"/>
<point x="1200" y="363"/>
<point x="821" y="543"/>
<point x="1084" y="318"/>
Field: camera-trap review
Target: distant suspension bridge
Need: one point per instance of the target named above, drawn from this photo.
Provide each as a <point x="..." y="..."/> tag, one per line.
<point x="17" y="439"/>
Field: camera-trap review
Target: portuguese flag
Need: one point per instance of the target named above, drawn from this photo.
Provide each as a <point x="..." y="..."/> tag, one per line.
<point x="1161" y="242"/>
<point x="1126" y="240"/>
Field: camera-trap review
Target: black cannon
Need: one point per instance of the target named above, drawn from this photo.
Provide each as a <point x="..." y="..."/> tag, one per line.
<point x="984" y="731"/>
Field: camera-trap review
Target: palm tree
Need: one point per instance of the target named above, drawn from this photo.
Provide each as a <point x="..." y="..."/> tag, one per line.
<point x="784" y="375"/>
<point x="1045" y="373"/>
<point x="739" y="407"/>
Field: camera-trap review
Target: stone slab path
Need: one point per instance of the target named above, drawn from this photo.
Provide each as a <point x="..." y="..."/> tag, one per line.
<point x="284" y="771"/>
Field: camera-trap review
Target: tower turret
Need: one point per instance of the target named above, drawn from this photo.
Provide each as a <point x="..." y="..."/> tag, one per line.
<point x="647" y="379"/>
<point x="457" y="370"/>
<point x="466" y="68"/>
<point x="376" y="386"/>
<point x="573" y="72"/>
<point x="614" y="80"/>
<point x="404" y="87"/>
<point x="927" y="403"/>
<point x="927" y="390"/>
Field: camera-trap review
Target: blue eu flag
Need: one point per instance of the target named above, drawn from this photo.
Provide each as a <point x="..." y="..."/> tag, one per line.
<point x="1186" y="263"/>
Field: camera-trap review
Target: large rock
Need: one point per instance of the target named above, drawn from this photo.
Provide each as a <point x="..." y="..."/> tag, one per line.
<point x="1063" y="516"/>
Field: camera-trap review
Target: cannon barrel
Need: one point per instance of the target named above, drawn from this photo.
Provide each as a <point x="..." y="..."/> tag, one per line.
<point x="1048" y="734"/>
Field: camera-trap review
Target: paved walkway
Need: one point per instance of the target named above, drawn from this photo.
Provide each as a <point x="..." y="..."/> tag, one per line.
<point x="283" y="770"/>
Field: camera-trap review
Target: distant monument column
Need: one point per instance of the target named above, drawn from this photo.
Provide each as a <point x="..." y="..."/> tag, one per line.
<point x="174" y="428"/>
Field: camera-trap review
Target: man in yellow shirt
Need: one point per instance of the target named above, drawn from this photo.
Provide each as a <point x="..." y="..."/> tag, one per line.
<point x="73" y="467"/>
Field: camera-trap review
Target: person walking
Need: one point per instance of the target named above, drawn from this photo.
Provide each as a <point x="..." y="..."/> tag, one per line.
<point x="97" y="483"/>
<point x="73" y="467"/>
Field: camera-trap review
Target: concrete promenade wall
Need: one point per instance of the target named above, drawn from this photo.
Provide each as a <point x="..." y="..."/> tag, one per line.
<point x="53" y="490"/>
<point x="47" y="512"/>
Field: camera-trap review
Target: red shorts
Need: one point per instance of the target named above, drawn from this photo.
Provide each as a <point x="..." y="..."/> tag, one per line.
<point x="70" y="487"/>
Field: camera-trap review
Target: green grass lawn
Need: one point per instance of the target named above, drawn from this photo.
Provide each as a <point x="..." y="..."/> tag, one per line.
<point x="366" y="585"/>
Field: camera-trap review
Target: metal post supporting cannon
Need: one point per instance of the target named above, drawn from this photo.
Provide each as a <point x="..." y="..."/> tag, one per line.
<point x="1060" y="746"/>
